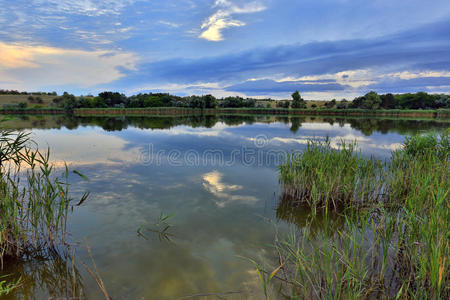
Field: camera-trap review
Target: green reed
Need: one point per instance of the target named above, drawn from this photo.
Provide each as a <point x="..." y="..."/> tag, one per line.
<point x="324" y="177"/>
<point x="395" y="244"/>
<point x="34" y="203"/>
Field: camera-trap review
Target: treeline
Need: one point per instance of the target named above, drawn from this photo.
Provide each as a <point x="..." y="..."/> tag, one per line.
<point x="117" y="100"/>
<point x="372" y="100"/>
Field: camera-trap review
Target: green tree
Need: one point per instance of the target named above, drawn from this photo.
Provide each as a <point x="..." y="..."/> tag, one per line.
<point x="371" y="101"/>
<point x="298" y="102"/>
<point x="113" y="98"/>
<point x="153" y="101"/>
<point x="210" y="101"/>
<point x="343" y="104"/>
<point x="330" y="104"/>
<point x="68" y="102"/>
<point x="388" y="101"/>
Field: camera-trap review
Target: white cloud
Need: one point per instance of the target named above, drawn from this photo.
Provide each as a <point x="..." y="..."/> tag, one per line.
<point x="83" y="7"/>
<point x="420" y="74"/>
<point x="33" y="67"/>
<point x="200" y="88"/>
<point x="222" y="18"/>
<point x="352" y="78"/>
<point x="170" y="24"/>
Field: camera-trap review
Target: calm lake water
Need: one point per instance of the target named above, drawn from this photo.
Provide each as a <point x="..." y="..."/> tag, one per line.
<point x="215" y="177"/>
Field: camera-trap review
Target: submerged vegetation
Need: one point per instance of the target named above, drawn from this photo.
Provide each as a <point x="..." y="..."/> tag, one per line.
<point x="393" y="239"/>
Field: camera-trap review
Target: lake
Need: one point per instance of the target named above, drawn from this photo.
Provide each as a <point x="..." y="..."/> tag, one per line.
<point x="178" y="206"/>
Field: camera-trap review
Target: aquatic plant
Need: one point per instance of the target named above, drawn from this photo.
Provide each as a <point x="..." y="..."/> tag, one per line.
<point x="324" y="177"/>
<point x="160" y="226"/>
<point x="34" y="203"/>
<point x="7" y="287"/>
<point x="396" y="247"/>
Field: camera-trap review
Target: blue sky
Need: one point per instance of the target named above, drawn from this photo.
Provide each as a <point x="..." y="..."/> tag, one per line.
<point x="265" y="48"/>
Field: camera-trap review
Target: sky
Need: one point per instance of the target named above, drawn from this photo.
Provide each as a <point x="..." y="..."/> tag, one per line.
<point x="256" y="48"/>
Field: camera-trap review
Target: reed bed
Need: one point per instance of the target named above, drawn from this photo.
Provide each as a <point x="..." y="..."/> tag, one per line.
<point x="394" y="245"/>
<point x="34" y="202"/>
<point x="323" y="177"/>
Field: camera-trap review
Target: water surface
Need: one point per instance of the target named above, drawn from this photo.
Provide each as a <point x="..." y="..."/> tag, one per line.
<point x="215" y="176"/>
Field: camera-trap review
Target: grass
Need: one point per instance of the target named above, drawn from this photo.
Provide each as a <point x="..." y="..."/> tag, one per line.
<point x="16" y="99"/>
<point x="34" y="206"/>
<point x="322" y="177"/>
<point x="7" y="287"/>
<point x="394" y="242"/>
<point x="32" y="110"/>
<point x="34" y="203"/>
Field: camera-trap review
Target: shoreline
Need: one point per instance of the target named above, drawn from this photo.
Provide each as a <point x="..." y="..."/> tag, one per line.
<point x="231" y="111"/>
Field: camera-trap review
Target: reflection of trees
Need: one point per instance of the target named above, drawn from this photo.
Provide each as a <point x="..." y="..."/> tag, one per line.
<point x="116" y="123"/>
<point x="402" y="126"/>
<point x="296" y="123"/>
<point x="55" y="276"/>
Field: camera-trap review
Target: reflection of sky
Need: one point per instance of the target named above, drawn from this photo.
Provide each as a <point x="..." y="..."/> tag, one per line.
<point x="217" y="209"/>
<point x="257" y="144"/>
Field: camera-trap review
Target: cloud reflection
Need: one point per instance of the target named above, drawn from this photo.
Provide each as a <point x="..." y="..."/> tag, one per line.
<point x="213" y="183"/>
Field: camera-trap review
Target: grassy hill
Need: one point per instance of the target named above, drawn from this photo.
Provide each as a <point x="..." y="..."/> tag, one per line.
<point x="16" y="99"/>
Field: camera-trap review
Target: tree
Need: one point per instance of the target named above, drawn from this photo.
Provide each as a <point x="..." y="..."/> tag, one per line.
<point x="330" y="104"/>
<point x="232" y="102"/>
<point x="343" y="104"/>
<point x="298" y="102"/>
<point x="372" y="100"/>
<point x="357" y="102"/>
<point x="153" y="101"/>
<point x="196" y="102"/>
<point x="22" y="105"/>
<point x="442" y="102"/>
<point x="249" y="102"/>
<point x="210" y="101"/>
<point x="113" y="98"/>
<point x="68" y="102"/>
<point x="388" y="101"/>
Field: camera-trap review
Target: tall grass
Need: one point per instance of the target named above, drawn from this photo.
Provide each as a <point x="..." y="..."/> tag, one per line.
<point x="396" y="247"/>
<point x="323" y="177"/>
<point x="34" y="203"/>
